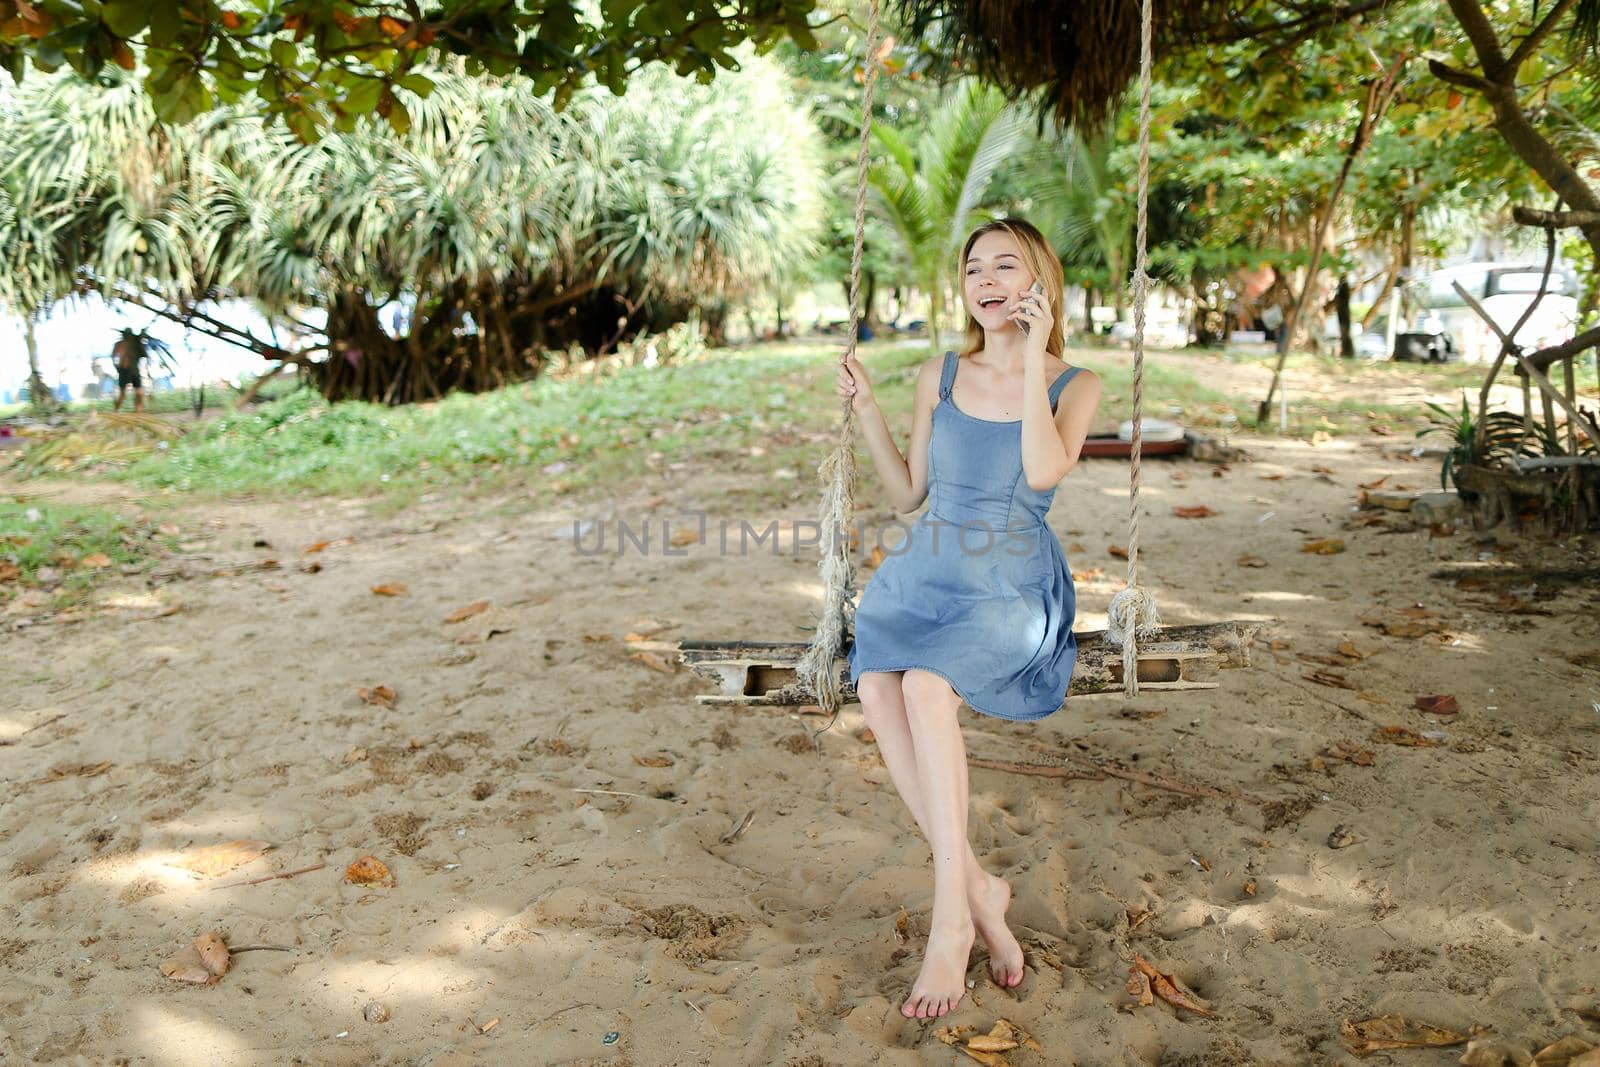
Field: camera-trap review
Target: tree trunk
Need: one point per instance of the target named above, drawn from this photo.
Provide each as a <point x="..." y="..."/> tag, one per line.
<point x="1341" y="301"/>
<point x="39" y="396"/>
<point x="1498" y="85"/>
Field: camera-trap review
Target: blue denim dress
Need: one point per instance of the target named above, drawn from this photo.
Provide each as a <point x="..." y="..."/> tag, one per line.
<point x="979" y="592"/>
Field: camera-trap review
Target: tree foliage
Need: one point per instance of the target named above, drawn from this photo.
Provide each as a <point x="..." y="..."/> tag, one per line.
<point x="316" y="64"/>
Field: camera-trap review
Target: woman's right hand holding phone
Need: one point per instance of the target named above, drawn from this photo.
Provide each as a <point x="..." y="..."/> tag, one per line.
<point x="852" y="382"/>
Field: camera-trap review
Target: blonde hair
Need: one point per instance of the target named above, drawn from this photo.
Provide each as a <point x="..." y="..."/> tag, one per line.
<point x="1042" y="263"/>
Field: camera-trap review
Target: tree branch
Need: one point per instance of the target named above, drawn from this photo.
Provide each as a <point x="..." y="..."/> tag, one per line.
<point x="1461" y="78"/>
<point x="1481" y="33"/>
<point x="1554" y="220"/>
<point x="1533" y="40"/>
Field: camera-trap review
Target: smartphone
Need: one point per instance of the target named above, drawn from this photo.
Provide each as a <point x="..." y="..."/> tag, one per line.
<point x="1036" y="287"/>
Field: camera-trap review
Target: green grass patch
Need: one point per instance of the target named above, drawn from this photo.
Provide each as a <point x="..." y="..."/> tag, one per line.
<point x="763" y="415"/>
<point x="67" y="548"/>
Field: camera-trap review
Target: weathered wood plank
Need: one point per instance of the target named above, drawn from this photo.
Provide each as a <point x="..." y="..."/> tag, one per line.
<point x="762" y="673"/>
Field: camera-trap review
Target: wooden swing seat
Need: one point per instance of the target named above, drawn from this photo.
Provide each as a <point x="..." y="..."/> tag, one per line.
<point x="764" y="673"/>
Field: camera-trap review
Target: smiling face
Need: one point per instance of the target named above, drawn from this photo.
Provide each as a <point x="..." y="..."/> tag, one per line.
<point x="994" y="276"/>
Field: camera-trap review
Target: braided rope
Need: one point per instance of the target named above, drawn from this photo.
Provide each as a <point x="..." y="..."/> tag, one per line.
<point x="1133" y="612"/>
<point x="837" y="472"/>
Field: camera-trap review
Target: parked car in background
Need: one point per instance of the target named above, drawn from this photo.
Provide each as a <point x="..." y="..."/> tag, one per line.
<point x="1504" y="291"/>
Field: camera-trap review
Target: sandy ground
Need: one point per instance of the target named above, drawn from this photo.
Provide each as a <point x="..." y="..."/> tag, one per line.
<point x="531" y="922"/>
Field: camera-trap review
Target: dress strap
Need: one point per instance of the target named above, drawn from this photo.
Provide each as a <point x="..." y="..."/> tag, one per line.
<point x="947" y="377"/>
<point x="1060" y="384"/>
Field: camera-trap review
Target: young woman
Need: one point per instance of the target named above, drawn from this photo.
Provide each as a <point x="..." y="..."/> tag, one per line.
<point x="977" y="605"/>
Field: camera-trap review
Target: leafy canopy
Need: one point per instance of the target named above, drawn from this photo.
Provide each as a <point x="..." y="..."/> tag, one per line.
<point x="315" y="64"/>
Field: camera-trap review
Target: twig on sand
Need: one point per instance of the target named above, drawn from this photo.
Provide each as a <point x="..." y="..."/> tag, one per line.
<point x="617" y="793"/>
<point x="259" y="948"/>
<point x="738" y="828"/>
<point x="272" y="877"/>
<point x="31" y="729"/>
<point x="1100" y="770"/>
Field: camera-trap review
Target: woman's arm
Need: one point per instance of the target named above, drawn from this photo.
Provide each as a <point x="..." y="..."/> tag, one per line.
<point x="1052" y="458"/>
<point x="905" y="480"/>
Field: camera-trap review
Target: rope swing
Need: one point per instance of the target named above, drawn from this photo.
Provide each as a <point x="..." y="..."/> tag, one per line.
<point x="1132" y="614"/>
<point x="816" y="668"/>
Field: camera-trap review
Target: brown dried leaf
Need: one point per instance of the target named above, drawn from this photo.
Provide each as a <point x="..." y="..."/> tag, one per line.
<point x="654" y="662"/>
<point x="202" y="962"/>
<point x="1376" y="483"/>
<point x="1348" y="649"/>
<point x="218" y="859"/>
<point x="1250" y="561"/>
<point x="95" y="561"/>
<point x="902" y="927"/>
<point x="1326" y="546"/>
<point x="988" y="1043"/>
<point x="654" y="761"/>
<point x="1399" y="735"/>
<point x="1196" y="511"/>
<point x="316" y="547"/>
<point x="389" y="588"/>
<point x="1563" y="1052"/>
<point x="1250" y="888"/>
<point x="952" y="1034"/>
<point x="75" y="770"/>
<point x="9" y="572"/>
<point x="462" y="614"/>
<point x="1168" y="989"/>
<point x="1394" y="1032"/>
<point x="368" y="870"/>
<point x="1117" y="551"/>
<point x="381" y="695"/>
<point x="1329" y="678"/>
<point x="1437" y="705"/>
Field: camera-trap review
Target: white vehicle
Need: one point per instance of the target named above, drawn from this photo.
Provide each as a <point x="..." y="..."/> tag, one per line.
<point x="1504" y="290"/>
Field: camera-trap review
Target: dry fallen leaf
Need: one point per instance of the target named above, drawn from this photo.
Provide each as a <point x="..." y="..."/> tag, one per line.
<point x="218" y="859"/>
<point x="381" y="695"/>
<point x="1250" y="561"/>
<point x="462" y="614"/>
<point x="389" y="588"/>
<point x="1196" y="511"/>
<point x="653" y="661"/>
<point x="1437" y="705"/>
<point x="317" y="546"/>
<point x="1488" y="1050"/>
<point x="1168" y="988"/>
<point x="1329" y="678"/>
<point x="653" y="761"/>
<point x="1376" y="483"/>
<point x="1117" y="551"/>
<point x="1361" y="757"/>
<point x="1394" y="1032"/>
<point x="1562" y="1053"/>
<point x="75" y="770"/>
<point x="1399" y="735"/>
<point x="9" y="572"/>
<point x="368" y="870"/>
<point x="203" y="961"/>
<point x="1326" y="546"/>
<point x="95" y="561"/>
<point x="1250" y="888"/>
<point x="902" y="927"/>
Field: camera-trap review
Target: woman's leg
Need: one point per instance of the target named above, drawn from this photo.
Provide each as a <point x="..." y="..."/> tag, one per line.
<point x="884" y="707"/>
<point x="931" y="708"/>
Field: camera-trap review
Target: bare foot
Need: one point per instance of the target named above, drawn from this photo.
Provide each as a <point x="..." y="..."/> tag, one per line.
<point x="988" y="902"/>
<point x="942" y="982"/>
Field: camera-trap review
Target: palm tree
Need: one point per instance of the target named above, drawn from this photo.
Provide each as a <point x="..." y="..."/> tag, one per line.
<point x="929" y="190"/>
<point x="500" y="225"/>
